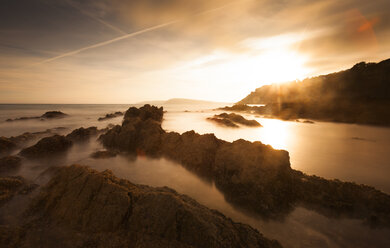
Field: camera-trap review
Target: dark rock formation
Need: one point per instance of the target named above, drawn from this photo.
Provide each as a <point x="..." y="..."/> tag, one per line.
<point x="81" y="207"/>
<point x="6" y="145"/>
<point x="47" y="115"/>
<point x="357" y="95"/>
<point x="110" y="116"/>
<point x="222" y="121"/>
<point x="251" y="175"/>
<point x="103" y="154"/>
<point x="82" y="134"/>
<point x="9" y="164"/>
<point x="11" y="186"/>
<point x="53" y="114"/>
<point x="232" y="119"/>
<point x="47" y="146"/>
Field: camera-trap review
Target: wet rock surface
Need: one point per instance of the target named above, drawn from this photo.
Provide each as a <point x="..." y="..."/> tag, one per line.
<point x="9" y="164"/>
<point x="81" y="207"/>
<point x="82" y="134"/>
<point x="110" y="116"/>
<point x="103" y="154"/>
<point x="47" y="115"/>
<point x="47" y="146"/>
<point x="251" y="175"/>
<point x="232" y="119"/>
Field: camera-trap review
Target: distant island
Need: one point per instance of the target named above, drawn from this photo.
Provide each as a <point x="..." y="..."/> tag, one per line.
<point x="360" y="94"/>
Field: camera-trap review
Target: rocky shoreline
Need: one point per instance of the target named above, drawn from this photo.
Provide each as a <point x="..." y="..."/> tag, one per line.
<point x="251" y="175"/>
<point x="81" y="207"/>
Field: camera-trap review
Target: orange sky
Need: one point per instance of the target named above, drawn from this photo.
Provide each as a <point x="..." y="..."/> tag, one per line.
<point x="126" y="51"/>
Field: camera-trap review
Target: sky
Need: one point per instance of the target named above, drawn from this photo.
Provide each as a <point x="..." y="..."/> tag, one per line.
<point x="128" y="51"/>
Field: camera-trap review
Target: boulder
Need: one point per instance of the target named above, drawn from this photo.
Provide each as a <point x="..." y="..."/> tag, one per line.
<point x="47" y="146"/>
<point x="82" y="134"/>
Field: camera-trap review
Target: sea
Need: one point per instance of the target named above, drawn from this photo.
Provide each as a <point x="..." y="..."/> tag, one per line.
<point x="348" y="152"/>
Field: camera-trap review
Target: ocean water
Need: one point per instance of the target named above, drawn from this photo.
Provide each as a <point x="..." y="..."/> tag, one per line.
<point x="348" y="152"/>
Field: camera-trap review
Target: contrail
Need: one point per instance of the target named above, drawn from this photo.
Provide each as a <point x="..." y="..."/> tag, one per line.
<point x="88" y="14"/>
<point x="106" y="42"/>
<point x="128" y="35"/>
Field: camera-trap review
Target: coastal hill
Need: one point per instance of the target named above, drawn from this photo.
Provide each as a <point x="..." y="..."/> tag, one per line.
<point x="360" y="94"/>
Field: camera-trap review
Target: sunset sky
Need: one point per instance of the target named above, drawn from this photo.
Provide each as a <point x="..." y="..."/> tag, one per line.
<point x="127" y="51"/>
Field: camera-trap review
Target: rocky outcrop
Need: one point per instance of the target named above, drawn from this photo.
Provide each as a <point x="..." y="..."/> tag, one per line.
<point x="47" y="146"/>
<point x="11" y="186"/>
<point x="47" y="115"/>
<point x="7" y="145"/>
<point x="81" y="207"/>
<point x="9" y="164"/>
<point x="82" y="134"/>
<point x="251" y="175"/>
<point x="222" y="121"/>
<point x="110" y="116"/>
<point x="231" y="120"/>
<point x="53" y="114"/>
<point x="103" y="154"/>
<point x="360" y="94"/>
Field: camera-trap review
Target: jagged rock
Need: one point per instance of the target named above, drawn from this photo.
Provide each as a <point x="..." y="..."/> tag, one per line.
<point x="82" y="134"/>
<point x="141" y="130"/>
<point x="11" y="186"/>
<point x="9" y="164"/>
<point x="47" y="146"/>
<point x="81" y="207"/>
<point x="6" y="145"/>
<point x="251" y="175"/>
<point x="110" y="116"/>
<point x="231" y="119"/>
<point x="103" y="154"/>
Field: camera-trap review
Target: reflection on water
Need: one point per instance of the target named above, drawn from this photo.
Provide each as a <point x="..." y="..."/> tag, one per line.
<point x="349" y="152"/>
<point x="332" y="150"/>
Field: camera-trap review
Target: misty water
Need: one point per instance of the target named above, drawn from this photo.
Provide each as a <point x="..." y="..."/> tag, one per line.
<point x="348" y="152"/>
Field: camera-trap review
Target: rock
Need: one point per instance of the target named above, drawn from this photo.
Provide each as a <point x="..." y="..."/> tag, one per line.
<point x="47" y="115"/>
<point x="47" y="146"/>
<point x="82" y="134"/>
<point x="232" y="119"/>
<point x="9" y="164"/>
<point x="308" y="122"/>
<point x="251" y="175"/>
<point x="103" y="154"/>
<point x="110" y="116"/>
<point x="6" y="145"/>
<point x="11" y="186"/>
<point x="81" y="207"/>
<point x="222" y="121"/>
<point x="53" y="114"/>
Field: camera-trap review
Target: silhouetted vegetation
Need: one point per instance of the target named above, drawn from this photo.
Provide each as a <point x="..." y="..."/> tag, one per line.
<point x="358" y="95"/>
